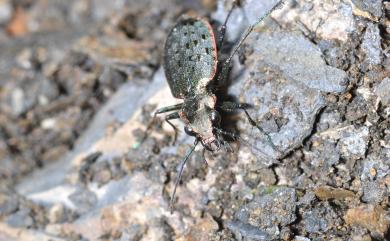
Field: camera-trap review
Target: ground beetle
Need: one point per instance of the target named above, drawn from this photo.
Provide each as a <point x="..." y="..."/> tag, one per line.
<point x="193" y="72"/>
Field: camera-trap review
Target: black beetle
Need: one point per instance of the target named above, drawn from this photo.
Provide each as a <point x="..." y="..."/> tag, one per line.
<point x="193" y="72"/>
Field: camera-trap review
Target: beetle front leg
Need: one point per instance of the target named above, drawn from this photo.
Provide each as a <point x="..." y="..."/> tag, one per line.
<point x="167" y="109"/>
<point x="160" y="111"/>
<point x="173" y="116"/>
<point x="229" y="106"/>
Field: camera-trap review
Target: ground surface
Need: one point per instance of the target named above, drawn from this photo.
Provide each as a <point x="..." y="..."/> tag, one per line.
<point x="80" y="80"/>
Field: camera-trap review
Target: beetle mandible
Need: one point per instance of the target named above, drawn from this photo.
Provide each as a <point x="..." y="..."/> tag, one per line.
<point x="193" y="72"/>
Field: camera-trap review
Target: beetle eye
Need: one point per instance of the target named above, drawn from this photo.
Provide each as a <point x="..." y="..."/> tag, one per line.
<point x="215" y="117"/>
<point x="189" y="131"/>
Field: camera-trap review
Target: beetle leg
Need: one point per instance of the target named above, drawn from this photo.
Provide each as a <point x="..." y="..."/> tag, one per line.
<point x="204" y="156"/>
<point x="168" y="108"/>
<point x="236" y="136"/>
<point x="229" y="106"/>
<point x="173" y="116"/>
<point x="224" y="143"/>
<point x="222" y="29"/>
<point x="160" y="111"/>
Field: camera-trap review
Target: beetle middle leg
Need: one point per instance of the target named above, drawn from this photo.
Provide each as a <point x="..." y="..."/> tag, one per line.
<point x="229" y="106"/>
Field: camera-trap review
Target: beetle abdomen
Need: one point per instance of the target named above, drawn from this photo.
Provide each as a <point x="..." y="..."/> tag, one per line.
<point x="190" y="55"/>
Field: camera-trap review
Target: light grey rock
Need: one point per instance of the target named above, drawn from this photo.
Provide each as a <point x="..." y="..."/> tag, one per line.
<point x="372" y="6"/>
<point x="371" y="45"/>
<point x="353" y="143"/>
<point x="5" y="11"/>
<point x="283" y="80"/>
<point x="247" y="232"/>
<point x="20" y="219"/>
<point x="272" y="207"/>
<point x="382" y="91"/>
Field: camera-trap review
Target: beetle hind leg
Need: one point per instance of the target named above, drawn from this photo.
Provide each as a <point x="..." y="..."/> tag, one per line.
<point x="232" y="106"/>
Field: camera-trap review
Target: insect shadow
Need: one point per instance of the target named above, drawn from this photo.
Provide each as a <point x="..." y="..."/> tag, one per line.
<point x="197" y="74"/>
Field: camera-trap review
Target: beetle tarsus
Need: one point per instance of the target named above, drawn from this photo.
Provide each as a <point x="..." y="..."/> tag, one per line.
<point x="173" y="116"/>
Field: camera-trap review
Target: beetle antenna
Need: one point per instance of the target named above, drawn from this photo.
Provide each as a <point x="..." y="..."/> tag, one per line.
<point x="225" y="68"/>
<point x="182" y="164"/>
<point x="222" y="30"/>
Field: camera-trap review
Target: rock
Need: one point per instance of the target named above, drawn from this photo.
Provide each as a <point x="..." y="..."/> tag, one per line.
<point x="326" y="193"/>
<point x="374" y="192"/>
<point x="375" y="167"/>
<point x="83" y="200"/>
<point x="328" y="120"/>
<point x="324" y="154"/>
<point x="300" y="238"/>
<point x="109" y="50"/>
<point x="203" y="230"/>
<point x="372" y="6"/>
<point x="56" y="213"/>
<point x="368" y="216"/>
<point x="357" y="109"/>
<point x="353" y="143"/>
<point x="17" y="26"/>
<point x="323" y="20"/>
<point x="280" y="65"/>
<point x="299" y="60"/>
<point x="244" y="231"/>
<point x="108" y="185"/>
<point x="102" y="173"/>
<point x="134" y="232"/>
<point x="382" y="91"/>
<point x="272" y="206"/>
<point x="9" y="203"/>
<point x="5" y="11"/>
<point x="314" y="221"/>
<point x="371" y="45"/>
<point x="20" y="219"/>
<point x="307" y="200"/>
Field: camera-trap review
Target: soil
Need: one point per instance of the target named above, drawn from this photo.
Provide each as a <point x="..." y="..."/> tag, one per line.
<point x="80" y="80"/>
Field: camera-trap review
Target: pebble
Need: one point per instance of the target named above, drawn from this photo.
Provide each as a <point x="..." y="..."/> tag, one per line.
<point x="244" y="231"/>
<point x="382" y="91"/>
<point x="372" y="217"/>
<point x="374" y="192"/>
<point x="5" y="11"/>
<point x="353" y="143"/>
<point x="273" y="206"/>
<point x="83" y="200"/>
<point x="20" y="219"/>
<point x="9" y="203"/>
<point x="371" y="45"/>
<point x="372" y="6"/>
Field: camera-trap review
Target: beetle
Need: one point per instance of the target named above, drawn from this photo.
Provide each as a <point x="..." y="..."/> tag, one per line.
<point x="193" y="72"/>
